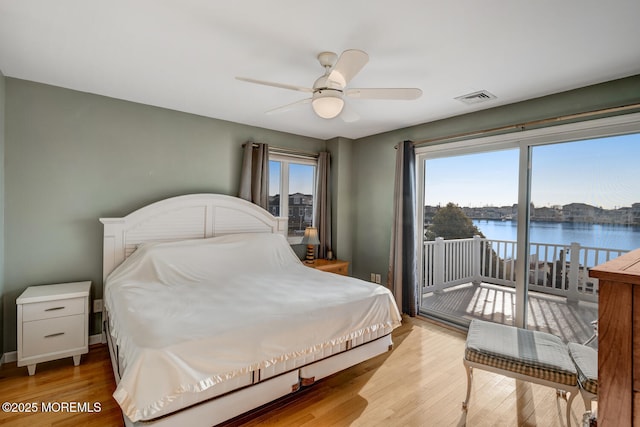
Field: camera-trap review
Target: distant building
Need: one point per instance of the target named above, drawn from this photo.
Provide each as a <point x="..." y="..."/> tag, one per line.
<point x="580" y="212"/>
<point x="552" y="214"/>
<point x="300" y="211"/>
<point x="572" y="212"/>
<point x="635" y="214"/>
<point x="274" y="205"/>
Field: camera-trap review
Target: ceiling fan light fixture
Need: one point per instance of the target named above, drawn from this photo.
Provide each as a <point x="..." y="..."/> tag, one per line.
<point x="326" y="104"/>
<point x="328" y="91"/>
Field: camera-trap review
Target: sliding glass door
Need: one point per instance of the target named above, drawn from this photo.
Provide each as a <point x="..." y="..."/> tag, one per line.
<point x="469" y="236"/>
<point x="585" y="201"/>
<point x="513" y="223"/>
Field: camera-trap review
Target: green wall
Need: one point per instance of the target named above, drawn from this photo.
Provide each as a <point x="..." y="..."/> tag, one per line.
<point x="341" y="197"/>
<point x="373" y="172"/>
<point x="73" y="157"/>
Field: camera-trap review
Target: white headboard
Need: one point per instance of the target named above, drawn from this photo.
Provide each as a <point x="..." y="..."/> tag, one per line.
<point x="184" y="217"/>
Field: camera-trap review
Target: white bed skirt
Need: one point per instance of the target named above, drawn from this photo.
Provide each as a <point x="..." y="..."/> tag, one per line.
<point x="241" y="394"/>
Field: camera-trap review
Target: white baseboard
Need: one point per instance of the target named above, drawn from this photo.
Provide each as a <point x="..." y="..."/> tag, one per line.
<point x="96" y="339"/>
<point x="9" y="357"/>
<point x="12" y="356"/>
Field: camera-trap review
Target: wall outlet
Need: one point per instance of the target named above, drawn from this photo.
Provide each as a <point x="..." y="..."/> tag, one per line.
<point x="373" y="277"/>
<point x="377" y="279"/>
<point x="97" y="306"/>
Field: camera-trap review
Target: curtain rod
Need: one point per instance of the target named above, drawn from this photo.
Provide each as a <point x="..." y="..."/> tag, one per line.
<point x="287" y="151"/>
<point x="522" y="126"/>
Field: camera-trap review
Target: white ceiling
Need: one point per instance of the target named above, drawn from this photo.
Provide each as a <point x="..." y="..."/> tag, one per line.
<point x="185" y="54"/>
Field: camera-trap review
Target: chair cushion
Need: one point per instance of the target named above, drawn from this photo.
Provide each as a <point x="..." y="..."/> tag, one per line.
<point x="531" y="353"/>
<point x="586" y="360"/>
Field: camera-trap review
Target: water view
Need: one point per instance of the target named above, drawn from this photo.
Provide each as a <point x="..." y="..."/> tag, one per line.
<point x="609" y="236"/>
<point x="584" y="192"/>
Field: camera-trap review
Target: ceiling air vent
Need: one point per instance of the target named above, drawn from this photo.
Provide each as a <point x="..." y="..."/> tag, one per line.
<point x="476" y="97"/>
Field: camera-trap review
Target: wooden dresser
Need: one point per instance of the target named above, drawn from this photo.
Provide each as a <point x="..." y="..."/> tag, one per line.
<point x="619" y="341"/>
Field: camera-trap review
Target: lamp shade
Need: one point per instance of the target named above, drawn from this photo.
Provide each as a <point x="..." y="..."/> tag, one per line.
<point x="310" y="236"/>
<point x="327" y="105"/>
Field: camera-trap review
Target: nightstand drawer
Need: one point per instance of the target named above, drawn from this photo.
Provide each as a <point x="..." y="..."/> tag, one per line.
<point x="339" y="269"/>
<point x="332" y="266"/>
<point x="53" y="335"/>
<point x="51" y="309"/>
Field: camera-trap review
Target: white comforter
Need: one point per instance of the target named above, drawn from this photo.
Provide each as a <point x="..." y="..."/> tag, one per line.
<point x="188" y="315"/>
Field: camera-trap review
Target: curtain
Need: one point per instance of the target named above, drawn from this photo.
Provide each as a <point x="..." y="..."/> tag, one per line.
<point x="322" y="213"/>
<point x="254" y="180"/>
<point x="403" y="273"/>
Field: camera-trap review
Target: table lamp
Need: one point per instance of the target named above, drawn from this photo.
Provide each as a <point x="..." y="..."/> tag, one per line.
<point x="310" y="239"/>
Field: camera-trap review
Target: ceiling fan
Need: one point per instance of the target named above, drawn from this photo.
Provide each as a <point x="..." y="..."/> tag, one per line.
<point x="328" y="91"/>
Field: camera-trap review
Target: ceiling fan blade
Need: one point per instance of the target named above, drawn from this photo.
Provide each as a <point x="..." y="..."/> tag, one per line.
<point x="384" y="93"/>
<point x="348" y="114"/>
<point x="348" y="65"/>
<point x="280" y="85"/>
<point x="288" y="107"/>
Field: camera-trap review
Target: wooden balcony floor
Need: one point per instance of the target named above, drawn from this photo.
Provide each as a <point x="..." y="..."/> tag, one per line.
<point x="548" y="313"/>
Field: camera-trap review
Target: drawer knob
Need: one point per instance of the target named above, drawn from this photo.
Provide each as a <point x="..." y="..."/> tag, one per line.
<point x="55" y="308"/>
<point x="57" y="334"/>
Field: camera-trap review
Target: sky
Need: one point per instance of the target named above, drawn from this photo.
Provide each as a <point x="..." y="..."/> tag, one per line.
<point x="602" y="172"/>
<point x="300" y="178"/>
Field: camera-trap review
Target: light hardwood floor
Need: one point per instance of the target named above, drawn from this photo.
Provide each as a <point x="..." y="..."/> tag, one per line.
<point x="59" y="381"/>
<point x="420" y="383"/>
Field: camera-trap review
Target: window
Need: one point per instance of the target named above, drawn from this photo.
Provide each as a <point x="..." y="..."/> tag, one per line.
<point x="295" y="177"/>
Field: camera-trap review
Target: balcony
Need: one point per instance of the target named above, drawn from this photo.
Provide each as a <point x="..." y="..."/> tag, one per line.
<point x="475" y="278"/>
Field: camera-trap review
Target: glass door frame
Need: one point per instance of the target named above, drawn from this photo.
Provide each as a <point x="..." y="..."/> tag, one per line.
<point x="524" y="141"/>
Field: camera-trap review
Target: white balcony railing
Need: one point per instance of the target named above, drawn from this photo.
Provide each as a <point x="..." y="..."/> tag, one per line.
<point x="553" y="269"/>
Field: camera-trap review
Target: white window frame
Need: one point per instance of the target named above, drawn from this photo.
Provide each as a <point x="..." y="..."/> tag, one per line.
<point x="524" y="141"/>
<point x="285" y="160"/>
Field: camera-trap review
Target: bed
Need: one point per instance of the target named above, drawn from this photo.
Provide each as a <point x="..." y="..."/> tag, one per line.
<point x="209" y="313"/>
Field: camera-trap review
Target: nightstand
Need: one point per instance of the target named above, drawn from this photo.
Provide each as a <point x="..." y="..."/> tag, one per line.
<point x="334" y="266"/>
<point x="53" y="322"/>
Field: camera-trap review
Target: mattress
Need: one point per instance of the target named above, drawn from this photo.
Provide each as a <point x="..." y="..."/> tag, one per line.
<point x="195" y="318"/>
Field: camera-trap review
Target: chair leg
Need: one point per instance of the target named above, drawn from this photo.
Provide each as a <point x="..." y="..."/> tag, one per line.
<point x="587" y="401"/>
<point x="469" y="379"/>
<point x="572" y="395"/>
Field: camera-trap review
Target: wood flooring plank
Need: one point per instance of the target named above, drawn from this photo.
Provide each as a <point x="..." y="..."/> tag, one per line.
<point x="422" y="382"/>
<point x="59" y="383"/>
